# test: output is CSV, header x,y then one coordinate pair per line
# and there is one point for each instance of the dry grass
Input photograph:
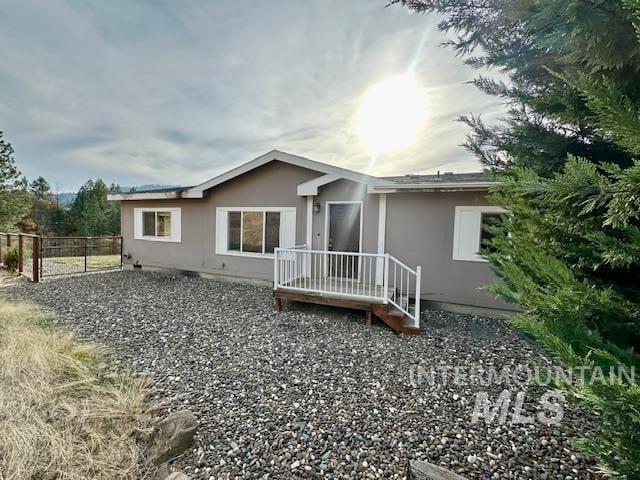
x,y
64,413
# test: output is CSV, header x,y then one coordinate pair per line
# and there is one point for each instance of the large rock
x,y
165,472
172,436
419,470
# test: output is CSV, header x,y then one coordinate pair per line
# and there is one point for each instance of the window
x,y
160,224
254,231
468,231
249,231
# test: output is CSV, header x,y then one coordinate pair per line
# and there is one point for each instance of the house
x,y
324,234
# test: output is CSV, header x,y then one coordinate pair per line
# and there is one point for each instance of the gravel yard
x,y
310,392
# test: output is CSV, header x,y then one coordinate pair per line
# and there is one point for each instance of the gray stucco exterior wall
x,y
419,231
272,185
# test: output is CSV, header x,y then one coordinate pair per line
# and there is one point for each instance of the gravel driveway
x,y
310,392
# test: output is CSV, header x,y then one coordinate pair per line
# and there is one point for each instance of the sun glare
x,y
391,113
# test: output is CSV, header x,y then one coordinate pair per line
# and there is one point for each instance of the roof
x,y
446,181
339,172
439,178
160,190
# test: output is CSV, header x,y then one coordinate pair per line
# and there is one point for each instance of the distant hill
x,y
67,198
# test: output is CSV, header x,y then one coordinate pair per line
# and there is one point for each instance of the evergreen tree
x,y
567,163
40,187
14,198
92,214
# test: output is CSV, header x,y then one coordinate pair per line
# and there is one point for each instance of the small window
x,y
469,234
157,224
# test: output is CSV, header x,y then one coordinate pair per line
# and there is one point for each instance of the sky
x,y
166,92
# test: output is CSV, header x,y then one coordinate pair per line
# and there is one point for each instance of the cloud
x,y
176,92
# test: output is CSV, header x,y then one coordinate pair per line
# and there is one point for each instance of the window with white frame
x,y
157,224
469,233
254,231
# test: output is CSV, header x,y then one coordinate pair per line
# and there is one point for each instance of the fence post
x,y
121,252
36,258
20,253
85,254
41,241
8,239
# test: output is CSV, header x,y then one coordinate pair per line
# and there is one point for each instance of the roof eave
x,y
143,196
431,187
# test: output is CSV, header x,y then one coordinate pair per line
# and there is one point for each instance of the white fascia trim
x,y
142,196
311,187
198,190
430,187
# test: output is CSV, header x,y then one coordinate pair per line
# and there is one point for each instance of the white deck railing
x,y
403,280
373,277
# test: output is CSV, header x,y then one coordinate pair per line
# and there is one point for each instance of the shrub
x,y
10,259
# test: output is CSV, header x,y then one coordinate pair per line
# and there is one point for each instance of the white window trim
x,y
176,224
476,211
287,219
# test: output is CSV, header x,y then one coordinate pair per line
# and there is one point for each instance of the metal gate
x,y
68,255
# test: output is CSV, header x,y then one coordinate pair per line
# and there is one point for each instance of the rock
x,y
172,436
178,476
164,472
419,470
219,350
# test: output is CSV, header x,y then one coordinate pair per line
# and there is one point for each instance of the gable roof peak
x,y
279,155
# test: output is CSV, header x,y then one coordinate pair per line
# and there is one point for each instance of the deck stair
x,y
378,284
395,318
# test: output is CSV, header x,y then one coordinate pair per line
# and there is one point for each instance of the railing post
x,y
275,268
416,321
20,253
385,278
35,254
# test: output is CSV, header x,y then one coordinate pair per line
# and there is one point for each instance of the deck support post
x,y
277,304
367,318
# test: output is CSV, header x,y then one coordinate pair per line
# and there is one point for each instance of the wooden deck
x,y
340,292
